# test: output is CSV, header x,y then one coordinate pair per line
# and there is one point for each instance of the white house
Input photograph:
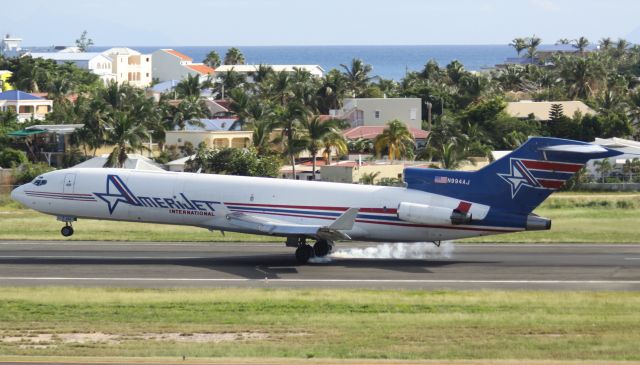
x,y
629,148
379,111
25,104
10,45
130,66
169,64
97,63
247,70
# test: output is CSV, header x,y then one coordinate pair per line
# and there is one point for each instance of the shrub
x,y
29,171
12,158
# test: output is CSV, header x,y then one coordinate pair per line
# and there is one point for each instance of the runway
x,y
455,266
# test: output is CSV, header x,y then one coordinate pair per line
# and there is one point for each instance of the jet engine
x,y
429,214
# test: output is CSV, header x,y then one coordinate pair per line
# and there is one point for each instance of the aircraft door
x,y
69,183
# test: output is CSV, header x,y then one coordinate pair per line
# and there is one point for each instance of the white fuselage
x,y
202,199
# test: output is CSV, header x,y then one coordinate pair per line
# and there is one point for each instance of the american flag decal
x,y
440,180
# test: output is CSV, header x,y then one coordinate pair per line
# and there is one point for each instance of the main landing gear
x,y
67,230
305,252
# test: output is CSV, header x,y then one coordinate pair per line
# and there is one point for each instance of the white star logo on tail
x,y
518,177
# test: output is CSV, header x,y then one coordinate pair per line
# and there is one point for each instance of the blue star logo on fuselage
x,y
117,192
518,177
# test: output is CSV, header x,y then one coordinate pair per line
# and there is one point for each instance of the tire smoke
x,y
399,251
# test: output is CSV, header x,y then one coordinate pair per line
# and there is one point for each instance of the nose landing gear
x,y
67,230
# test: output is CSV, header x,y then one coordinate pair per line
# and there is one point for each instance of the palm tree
x,y
622,44
127,135
316,133
396,138
519,44
332,91
334,142
581,44
212,59
606,43
262,129
234,57
288,117
563,41
190,110
603,167
532,46
357,74
368,178
189,87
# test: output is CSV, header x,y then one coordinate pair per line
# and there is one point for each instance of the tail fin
x,y
518,182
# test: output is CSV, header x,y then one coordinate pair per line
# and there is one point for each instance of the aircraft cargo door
x,y
69,183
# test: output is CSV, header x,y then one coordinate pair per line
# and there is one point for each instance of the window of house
x,y
413,114
309,177
147,61
376,114
179,140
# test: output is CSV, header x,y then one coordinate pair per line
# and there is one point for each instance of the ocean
x,y
389,62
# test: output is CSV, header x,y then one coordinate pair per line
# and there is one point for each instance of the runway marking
x,y
632,258
397,281
106,257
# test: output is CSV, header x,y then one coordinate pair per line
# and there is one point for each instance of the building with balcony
x,y
26,105
130,66
169,64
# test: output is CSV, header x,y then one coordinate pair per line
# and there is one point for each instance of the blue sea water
x,y
390,62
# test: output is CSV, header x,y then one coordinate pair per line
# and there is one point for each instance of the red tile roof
x,y
179,55
371,132
203,69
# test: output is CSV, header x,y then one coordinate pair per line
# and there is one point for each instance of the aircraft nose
x,y
17,194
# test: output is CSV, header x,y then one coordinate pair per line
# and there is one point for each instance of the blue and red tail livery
x,y
516,183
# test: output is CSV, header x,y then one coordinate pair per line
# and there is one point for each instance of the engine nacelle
x,y
429,214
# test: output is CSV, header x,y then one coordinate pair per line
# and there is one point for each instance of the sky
x,y
326,22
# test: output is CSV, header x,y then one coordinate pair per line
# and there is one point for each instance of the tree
x,y
334,142
127,136
519,44
368,178
316,132
288,118
234,57
603,167
234,161
357,76
532,46
581,44
189,87
605,43
83,43
563,41
396,139
212,59
556,112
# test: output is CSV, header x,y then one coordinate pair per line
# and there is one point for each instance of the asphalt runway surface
x,y
453,266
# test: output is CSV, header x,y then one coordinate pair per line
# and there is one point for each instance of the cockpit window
x,y
39,181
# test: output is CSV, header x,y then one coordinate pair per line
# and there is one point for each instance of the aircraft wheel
x,y
322,248
67,231
304,253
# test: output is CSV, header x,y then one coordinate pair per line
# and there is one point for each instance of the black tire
x,y
322,248
67,231
304,253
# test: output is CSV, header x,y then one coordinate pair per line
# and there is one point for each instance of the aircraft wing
x,y
332,232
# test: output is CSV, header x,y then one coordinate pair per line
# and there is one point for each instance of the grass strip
x,y
321,323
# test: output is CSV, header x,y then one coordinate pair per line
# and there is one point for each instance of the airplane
x,y
434,205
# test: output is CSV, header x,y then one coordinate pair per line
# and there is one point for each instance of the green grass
x,y
577,217
330,323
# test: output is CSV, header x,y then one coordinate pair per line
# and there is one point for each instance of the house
x,y
47,142
379,111
179,164
97,63
26,105
169,64
248,70
130,66
371,132
4,80
542,109
215,133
